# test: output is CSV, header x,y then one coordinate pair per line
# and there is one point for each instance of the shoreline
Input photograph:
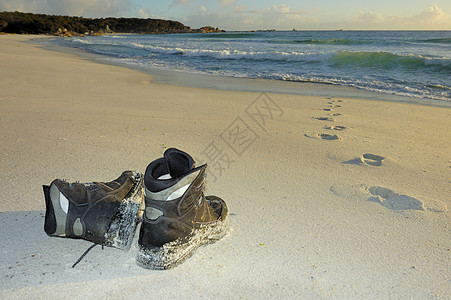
x,y
329,197
224,83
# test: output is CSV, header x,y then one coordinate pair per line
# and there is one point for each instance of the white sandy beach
x,y
330,198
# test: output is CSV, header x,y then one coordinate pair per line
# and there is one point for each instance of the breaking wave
x,y
226,54
437,41
329,42
386,61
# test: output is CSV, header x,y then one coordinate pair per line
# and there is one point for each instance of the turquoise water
x,y
405,63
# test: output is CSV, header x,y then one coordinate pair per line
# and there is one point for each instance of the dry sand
x,y
329,198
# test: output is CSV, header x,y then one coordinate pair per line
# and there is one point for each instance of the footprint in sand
x,y
334,101
338,127
324,136
325,119
372,159
367,159
392,200
388,198
329,137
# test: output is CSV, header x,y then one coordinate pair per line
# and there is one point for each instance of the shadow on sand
x,y
29,257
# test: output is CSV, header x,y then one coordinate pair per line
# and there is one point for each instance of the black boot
x,y
178,218
104,213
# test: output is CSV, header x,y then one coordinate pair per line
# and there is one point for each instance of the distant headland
x,y
29,23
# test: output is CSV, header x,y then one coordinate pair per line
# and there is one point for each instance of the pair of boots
x,y
177,217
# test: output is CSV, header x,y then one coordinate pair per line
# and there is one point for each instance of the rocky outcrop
x,y
22,23
27,23
208,29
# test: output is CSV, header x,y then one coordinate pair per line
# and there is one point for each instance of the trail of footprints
x,y
331,116
382,195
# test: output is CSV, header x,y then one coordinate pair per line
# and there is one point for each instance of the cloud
x,y
238,18
86,8
431,18
280,9
277,16
433,14
143,13
89,7
371,18
284,16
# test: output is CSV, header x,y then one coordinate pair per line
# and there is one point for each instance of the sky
x,y
260,14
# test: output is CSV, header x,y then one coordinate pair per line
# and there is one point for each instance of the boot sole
x,y
173,254
122,227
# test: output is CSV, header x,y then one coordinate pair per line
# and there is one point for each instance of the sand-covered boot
x,y
178,218
104,213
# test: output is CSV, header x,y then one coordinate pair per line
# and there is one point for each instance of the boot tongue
x,y
178,162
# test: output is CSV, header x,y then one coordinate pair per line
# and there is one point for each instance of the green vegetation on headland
x,y
28,23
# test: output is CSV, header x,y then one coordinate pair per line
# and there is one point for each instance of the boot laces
x,y
84,254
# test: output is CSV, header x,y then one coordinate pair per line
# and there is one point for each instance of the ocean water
x,y
404,63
